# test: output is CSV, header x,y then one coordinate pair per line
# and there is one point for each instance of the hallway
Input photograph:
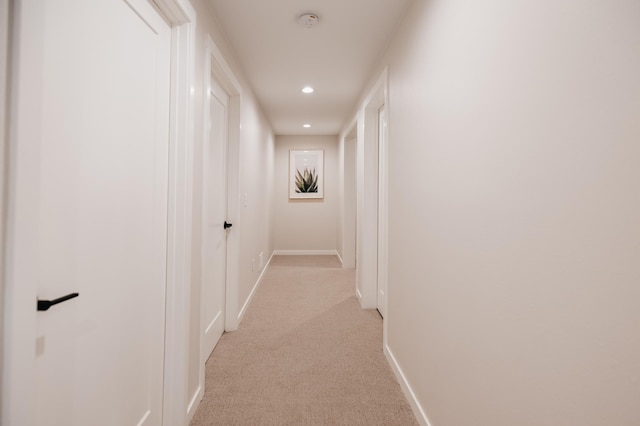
x,y
305,354
475,162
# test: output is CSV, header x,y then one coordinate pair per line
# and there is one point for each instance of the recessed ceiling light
x,y
306,126
307,89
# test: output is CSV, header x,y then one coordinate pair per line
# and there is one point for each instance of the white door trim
x,y
182,17
367,197
383,208
216,67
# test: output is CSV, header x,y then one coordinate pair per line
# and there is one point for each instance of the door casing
x,y
216,67
383,209
368,181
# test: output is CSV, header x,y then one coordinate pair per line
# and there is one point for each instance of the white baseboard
x,y
194,403
418,411
305,252
358,294
340,258
253,290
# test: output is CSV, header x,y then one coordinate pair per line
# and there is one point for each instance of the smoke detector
x,y
308,20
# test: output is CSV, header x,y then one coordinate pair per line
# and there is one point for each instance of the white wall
x,y
256,188
341,215
514,255
308,224
4,86
253,221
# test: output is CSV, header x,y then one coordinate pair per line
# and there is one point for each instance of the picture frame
x,y
306,173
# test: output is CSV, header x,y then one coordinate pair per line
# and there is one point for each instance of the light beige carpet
x,y
305,354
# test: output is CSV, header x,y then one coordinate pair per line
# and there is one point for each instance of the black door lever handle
x,y
227,225
44,305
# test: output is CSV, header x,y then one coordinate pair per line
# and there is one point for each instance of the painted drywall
x,y
253,220
4,88
256,193
513,211
367,164
308,224
340,217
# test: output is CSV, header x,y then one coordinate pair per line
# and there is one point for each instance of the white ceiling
x,y
279,56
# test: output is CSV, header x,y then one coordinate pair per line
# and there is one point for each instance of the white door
x,y
89,209
214,238
383,149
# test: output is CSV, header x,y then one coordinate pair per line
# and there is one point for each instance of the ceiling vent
x,y
308,20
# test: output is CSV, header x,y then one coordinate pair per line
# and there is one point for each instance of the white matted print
x,y
306,173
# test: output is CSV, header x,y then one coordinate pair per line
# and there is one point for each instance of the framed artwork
x,y
306,173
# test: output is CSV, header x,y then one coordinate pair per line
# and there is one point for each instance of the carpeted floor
x,y
305,354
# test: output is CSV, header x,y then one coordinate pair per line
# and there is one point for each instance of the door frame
x,y
383,209
20,315
368,181
217,68
182,18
